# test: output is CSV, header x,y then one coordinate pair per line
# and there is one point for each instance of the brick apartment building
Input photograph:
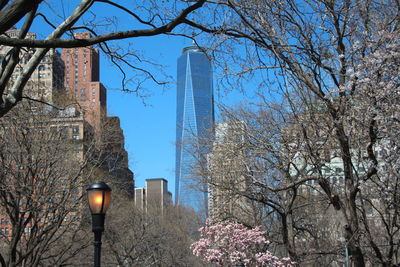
x,y
82,80
46,82
70,128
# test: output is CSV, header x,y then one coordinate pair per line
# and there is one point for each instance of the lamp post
x,y
99,197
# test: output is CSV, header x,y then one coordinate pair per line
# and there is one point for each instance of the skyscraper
x,y
194,121
82,74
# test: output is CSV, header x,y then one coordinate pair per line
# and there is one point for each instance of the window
x,y
2,220
64,132
42,68
84,68
75,129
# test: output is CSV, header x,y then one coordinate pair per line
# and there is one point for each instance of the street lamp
x,y
99,197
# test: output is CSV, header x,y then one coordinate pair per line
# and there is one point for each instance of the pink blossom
x,y
227,243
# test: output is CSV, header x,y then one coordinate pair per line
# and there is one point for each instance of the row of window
x,y
338,170
332,180
5,231
64,131
26,59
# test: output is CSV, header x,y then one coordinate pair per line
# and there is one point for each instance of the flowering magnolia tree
x,y
229,243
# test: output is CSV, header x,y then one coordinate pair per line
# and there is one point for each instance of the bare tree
x,y
153,19
42,180
135,237
310,54
48,157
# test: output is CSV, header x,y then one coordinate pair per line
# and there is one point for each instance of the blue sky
x,y
149,129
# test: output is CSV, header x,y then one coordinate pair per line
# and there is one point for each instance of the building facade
x,y
82,80
46,82
115,158
82,83
65,131
228,182
194,123
154,196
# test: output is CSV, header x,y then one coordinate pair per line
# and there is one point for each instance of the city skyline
x,y
150,154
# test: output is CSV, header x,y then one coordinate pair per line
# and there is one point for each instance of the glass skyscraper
x,y
194,122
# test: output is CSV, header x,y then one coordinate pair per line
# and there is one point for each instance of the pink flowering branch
x,y
228,243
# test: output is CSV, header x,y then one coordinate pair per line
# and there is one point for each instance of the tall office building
x,y
154,197
194,121
82,75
